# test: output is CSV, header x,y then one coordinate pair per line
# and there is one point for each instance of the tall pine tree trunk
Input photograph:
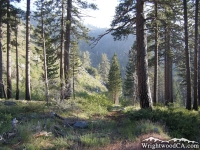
x,y
1,58
142,59
17,62
45,55
195,104
116,99
170,60
199,70
187,55
171,100
61,52
168,68
155,98
27,84
67,51
9,81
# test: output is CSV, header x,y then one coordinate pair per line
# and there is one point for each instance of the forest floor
x,y
52,128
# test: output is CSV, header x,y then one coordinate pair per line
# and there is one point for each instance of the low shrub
x,y
179,122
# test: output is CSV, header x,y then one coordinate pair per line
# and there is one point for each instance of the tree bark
x,y
195,104
187,55
27,84
1,58
67,51
142,59
166,71
168,68
61,53
155,98
116,99
170,57
199,71
17,62
9,81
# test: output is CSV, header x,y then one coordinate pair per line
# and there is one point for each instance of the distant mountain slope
x,y
109,46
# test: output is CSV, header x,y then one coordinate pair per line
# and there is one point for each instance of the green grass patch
x,y
94,140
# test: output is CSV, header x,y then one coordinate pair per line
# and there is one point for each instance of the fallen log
x,y
66,121
2,140
58,133
8,135
57,116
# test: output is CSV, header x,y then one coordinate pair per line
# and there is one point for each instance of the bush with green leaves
x,y
92,71
93,103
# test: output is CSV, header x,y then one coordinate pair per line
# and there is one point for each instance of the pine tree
x,y
41,14
74,59
75,64
114,80
73,27
155,98
195,103
6,9
2,14
9,81
164,35
52,64
177,94
104,67
129,15
14,42
50,39
142,60
129,81
27,74
187,55
86,61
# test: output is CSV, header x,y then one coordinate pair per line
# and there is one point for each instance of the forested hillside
x,y
133,85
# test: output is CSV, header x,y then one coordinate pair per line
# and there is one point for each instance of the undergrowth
x,y
104,127
179,122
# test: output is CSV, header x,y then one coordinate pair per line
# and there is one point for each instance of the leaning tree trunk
x,y
9,81
155,97
195,104
67,51
1,58
142,59
27,84
187,55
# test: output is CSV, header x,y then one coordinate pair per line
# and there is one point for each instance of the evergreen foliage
x,y
52,64
114,79
86,61
75,62
104,67
92,71
52,57
129,81
123,23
